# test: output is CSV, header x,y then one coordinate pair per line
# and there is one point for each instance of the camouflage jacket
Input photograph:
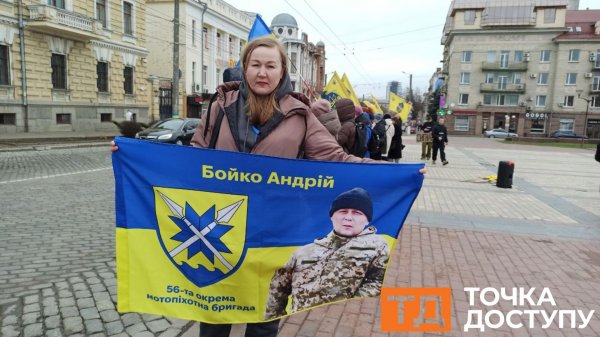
x,y
330,269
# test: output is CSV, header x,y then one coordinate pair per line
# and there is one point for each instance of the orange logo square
x,y
415,309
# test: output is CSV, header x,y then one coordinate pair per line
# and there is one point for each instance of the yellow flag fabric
x,y
379,109
371,106
349,90
400,106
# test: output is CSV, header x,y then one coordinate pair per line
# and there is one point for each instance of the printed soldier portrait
x,y
349,262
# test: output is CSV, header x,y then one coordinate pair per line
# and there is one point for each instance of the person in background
x,y
426,140
329,119
345,111
389,134
396,146
439,133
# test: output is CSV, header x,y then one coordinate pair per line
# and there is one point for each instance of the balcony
x,y
55,21
502,87
497,66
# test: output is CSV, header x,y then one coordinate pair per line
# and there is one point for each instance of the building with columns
x,y
212,34
78,66
306,60
531,67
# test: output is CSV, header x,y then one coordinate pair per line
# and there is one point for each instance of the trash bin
x,y
505,174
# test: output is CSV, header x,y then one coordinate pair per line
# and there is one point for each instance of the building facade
x,y
71,65
529,67
306,61
212,34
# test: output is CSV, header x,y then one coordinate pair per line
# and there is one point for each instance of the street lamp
x,y
587,107
410,92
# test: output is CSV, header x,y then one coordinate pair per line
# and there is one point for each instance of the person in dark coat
x,y
439,133
396,146
345,111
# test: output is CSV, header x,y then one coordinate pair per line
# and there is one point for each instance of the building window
x,y
465,78
8,119
466,56
542,79
219,45
469,17
568,102
571,79
549,15
574,55
461,123
128,80
504,56
489,78
193,76
491,56
518,56
205,34
63,118
127,18
102,73
204,73
105,117
294,68
463,99
596,83
57,3
595,103
59,71
538,125
545,56
540,100
516,78
101,12
194,33
566,124
503,100
4,66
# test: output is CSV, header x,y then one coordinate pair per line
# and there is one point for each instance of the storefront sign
x,y
536,115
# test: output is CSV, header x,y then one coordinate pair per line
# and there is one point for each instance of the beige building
x,y
306,60
212,34
79,65
529,66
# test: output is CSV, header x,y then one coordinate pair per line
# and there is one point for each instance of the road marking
x,y
55,175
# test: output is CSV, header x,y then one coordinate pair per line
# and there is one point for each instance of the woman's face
x,y
264,70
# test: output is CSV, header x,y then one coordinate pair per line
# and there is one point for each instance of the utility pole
x,y
410,92
175,83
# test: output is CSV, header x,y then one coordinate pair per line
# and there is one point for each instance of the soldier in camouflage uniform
x,y
349,262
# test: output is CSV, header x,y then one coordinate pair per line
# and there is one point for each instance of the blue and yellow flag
x,y
334,89
259,28
207,235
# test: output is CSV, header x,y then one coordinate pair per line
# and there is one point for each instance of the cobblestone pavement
x,y
57,269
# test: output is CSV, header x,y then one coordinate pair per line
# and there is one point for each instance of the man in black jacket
x,y
439,134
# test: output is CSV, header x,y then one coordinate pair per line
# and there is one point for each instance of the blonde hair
x,y
261,107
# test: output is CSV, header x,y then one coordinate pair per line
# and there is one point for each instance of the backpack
x,y
362,136
379,143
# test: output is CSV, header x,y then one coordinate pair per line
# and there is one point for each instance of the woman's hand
x,y
113,146
423,171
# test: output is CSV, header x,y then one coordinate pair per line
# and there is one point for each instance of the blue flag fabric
x,y
203,234
259,28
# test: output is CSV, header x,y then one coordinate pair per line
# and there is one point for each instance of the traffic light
x,y
434,105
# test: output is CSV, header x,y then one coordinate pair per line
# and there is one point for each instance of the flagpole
x,y
303,80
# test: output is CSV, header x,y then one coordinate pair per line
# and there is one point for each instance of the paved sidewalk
x,y
462,232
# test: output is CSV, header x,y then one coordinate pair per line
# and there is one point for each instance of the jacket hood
x,y
345,109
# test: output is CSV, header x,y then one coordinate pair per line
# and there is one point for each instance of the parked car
x,y
499,133
172,130
566,134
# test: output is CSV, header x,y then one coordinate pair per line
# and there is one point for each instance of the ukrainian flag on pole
x,y
259,28
334,89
